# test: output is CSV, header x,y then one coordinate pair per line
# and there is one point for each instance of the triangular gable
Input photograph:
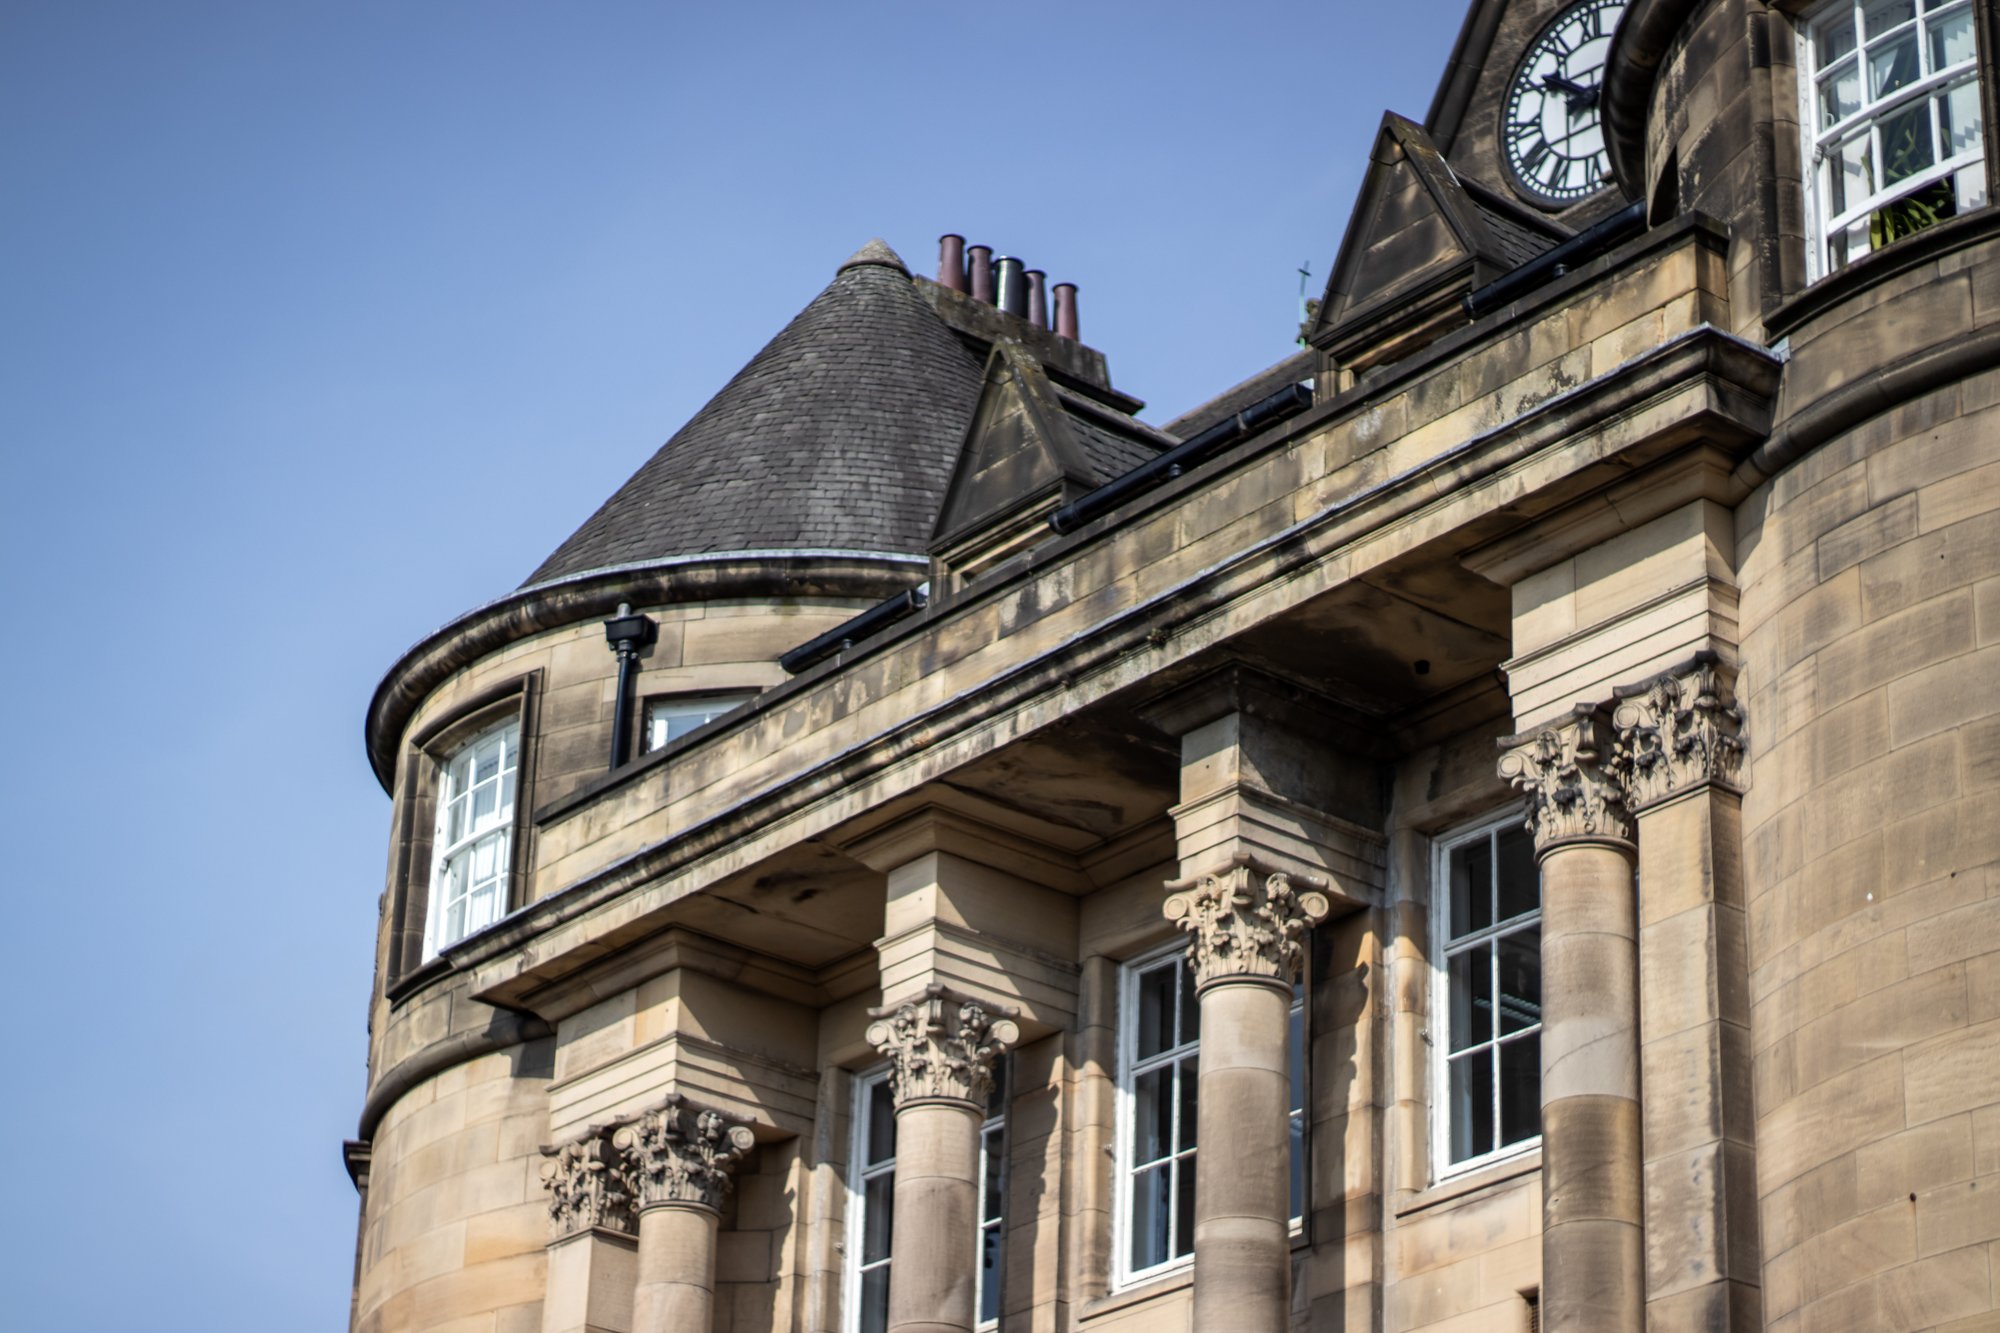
x,y
1418,240
1020,457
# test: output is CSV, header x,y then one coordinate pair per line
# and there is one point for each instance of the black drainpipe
x,y
627,634
1286,401
1552,264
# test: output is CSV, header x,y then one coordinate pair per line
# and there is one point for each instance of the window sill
x,y
416,979
1145,1289
1479,1179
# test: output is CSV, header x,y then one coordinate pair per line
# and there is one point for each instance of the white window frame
x,y
700,708
993,1141
860,1173
1821,144
496,831
1299,1061
1128,1074
1440,1023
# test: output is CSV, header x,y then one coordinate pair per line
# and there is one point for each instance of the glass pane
x,y
996,1099
1471,983
1298,1166
1520,882
1520,1089
1892,65
1833,39
1970,183
1151,1211
1471,887
1520,980
1951,40
1190,1086
484,801
1883,15
989,1274
454,822
1839,94
1906,144
1156,1009
486,762
991,1192
875,1300
1190,1007
1471,1105
880,1135
1296,1057
1152,1115
1184,1207
878,1211
507,795
1959,117
1851,173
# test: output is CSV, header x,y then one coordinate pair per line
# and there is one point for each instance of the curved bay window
x,y
472,848
1893,125
1488,907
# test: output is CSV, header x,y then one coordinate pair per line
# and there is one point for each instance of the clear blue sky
x,y
321,323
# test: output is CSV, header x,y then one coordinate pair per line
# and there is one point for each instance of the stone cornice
x,y
1248,923
681,1154
941,1047
1564,770
587,1183
1680,730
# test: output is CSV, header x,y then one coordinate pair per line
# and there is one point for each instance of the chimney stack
x,y
951,261
1066,311
979,259
1038,299
1012,285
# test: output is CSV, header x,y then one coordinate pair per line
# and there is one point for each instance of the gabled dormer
x,y
1419,240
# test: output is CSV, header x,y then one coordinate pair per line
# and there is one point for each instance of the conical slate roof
x,y
840,434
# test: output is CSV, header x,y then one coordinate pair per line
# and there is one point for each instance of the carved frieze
x,y
587,1186
1246,923
681,1153
1679,730
1564,770
942,1047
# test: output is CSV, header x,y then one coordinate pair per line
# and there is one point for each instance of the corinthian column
x,y
941,1049
1249,927
678,1159
1593,1267
591,1246
1679,752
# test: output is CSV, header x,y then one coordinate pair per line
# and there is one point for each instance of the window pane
x,y
1951,40
1190,1006
1471,1105
1190,1085
1152,1115
1296,1056
454,822
989,1274
486,762
1906,144
1520,881
1839,94
881,1133
1832,40
1959,116
1184,1207
990,1192
878,1210
875,1300
1851,173
1151,1215
1520,980
1471,887
1156,1009
1891,66
1471,998
1520,1089
1883,15
1298,1166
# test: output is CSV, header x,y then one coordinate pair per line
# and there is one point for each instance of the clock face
x,y
1553,133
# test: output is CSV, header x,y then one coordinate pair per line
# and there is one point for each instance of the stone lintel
x,y
774,1097
1038,988
1244,822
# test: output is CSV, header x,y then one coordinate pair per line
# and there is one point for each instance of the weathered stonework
x,y
1679,730
1247,924
941,1047
588,1184
1573,794
681,1154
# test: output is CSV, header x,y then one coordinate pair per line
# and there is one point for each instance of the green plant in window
x,y
1912,213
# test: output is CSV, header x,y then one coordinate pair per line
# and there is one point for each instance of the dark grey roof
x,y
1515,242
1294,369
840,434
1113,442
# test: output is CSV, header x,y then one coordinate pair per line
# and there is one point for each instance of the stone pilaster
x,y
1593,1267
1247,925
678,1159
941,1047
593,1248
1679,751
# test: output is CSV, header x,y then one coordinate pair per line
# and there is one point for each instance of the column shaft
x,y
1593,1263
931,1278
676,1288
1242,1232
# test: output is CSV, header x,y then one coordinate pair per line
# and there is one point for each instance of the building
x,y
935,852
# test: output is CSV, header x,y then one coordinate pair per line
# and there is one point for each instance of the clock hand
x,y
1568,87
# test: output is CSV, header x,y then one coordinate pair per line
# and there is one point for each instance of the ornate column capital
x,y
942,1046
1248,923
587,1185
1572,795
681,1153
1679,730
